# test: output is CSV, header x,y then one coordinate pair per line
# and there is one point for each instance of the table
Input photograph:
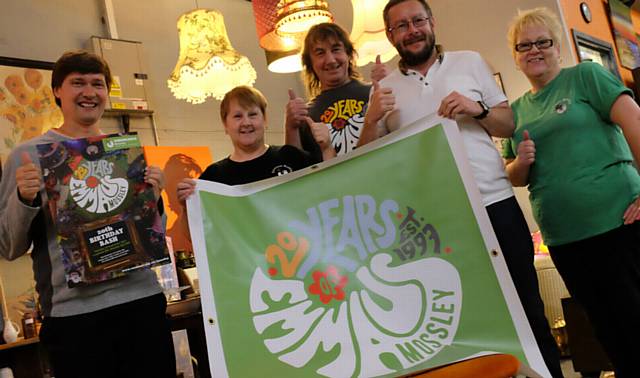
x,y
26,358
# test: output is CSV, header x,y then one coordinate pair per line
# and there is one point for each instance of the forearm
x,y
292,134
632,135
626,114
499,121
15,224
518,173
369,132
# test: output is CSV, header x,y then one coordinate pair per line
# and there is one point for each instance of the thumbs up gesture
x,y
526,150
296,111
321,135
320,132
379,70
382,101
28,179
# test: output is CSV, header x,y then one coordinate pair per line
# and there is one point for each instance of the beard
x,y
414,59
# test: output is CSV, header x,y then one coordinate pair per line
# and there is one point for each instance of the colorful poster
x,y
106,216
177,163
378,263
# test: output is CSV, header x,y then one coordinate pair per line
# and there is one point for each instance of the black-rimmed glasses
x,y
541,44
402,27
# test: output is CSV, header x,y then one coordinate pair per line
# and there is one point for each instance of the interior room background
x,y
44,29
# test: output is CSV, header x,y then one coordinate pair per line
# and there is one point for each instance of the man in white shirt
x,y
459,85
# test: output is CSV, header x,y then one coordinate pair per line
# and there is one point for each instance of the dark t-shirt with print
x,y
343,110
276,161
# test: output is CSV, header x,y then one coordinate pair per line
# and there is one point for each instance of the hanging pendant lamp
x,y
281,52
208,66
368,33
297,16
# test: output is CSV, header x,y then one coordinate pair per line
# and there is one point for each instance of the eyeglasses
x,y
541,44
403,26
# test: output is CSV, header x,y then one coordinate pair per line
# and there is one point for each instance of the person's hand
x,y
296,111
185,188
457,104
526,150
320,133
28,179
633,212
379,70
382,101
153,176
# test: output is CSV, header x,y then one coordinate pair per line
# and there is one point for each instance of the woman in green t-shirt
x,y
577,132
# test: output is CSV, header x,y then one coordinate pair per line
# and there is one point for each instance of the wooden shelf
x,y
20,343
129,112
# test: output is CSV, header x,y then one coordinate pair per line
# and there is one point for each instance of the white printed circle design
x,y
93,189
425,298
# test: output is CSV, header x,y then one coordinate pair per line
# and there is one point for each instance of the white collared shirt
x,y
417,96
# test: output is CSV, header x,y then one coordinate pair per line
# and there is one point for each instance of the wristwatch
x,y
485,110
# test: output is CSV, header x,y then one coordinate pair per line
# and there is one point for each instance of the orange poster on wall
x,y
177,162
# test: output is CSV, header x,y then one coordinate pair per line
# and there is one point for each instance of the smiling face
x,y
540,65
83,98
330,63
415,45
245,126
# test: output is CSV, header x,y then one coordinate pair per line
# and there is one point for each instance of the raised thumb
x,y
26,158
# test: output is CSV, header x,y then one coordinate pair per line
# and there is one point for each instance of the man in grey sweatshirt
x,y
116,328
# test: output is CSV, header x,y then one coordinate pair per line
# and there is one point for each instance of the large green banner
x,y
379,263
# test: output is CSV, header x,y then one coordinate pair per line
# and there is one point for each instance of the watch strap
x,y
485,110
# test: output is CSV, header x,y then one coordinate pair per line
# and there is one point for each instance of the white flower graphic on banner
x,y
397,308
93,189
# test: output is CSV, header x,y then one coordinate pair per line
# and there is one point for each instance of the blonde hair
x,y
540,16
246,97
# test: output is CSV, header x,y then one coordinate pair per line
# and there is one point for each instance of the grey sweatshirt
x,y
22,225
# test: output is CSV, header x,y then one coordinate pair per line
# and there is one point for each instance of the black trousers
x,y
515,241
128,340
602,273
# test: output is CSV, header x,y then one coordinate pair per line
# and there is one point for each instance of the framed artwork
x,y
595,50
624,34
27,104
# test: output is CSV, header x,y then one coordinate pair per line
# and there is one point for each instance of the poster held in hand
x,y
106,216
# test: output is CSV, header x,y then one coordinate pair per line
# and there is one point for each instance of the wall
x,y
482,25
599,27
178,122
43,29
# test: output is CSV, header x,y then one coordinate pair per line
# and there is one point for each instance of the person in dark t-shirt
x,y
338,96
243,113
